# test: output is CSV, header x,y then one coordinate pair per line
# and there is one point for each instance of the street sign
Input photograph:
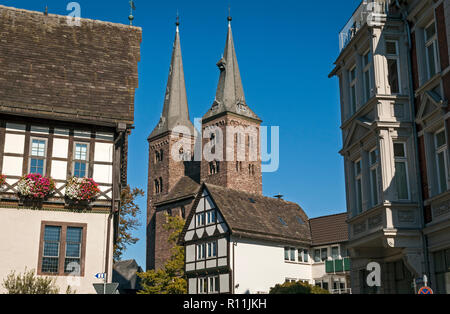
x,y
106,288
425,290
100,276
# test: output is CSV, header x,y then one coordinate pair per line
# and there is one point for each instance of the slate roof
x,y
260,217
329,229
82,74
125,274
175,111
184,188
230,91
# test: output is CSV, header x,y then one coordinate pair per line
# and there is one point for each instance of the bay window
x,y
401,171
392,56
374,166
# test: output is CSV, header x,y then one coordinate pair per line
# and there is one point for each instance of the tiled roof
x,y
184,188
260,217
50,69
329,229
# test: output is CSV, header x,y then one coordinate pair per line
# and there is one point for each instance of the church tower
x,y
231,131
165,167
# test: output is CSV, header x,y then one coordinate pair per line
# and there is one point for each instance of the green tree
x,y
128,221
171,278
28,283
297,288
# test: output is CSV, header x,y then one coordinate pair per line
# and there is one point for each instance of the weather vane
x,y
132,8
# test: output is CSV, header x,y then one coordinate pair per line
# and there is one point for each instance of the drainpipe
x,y
416,140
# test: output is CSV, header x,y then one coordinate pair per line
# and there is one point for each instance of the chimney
x,y
279,196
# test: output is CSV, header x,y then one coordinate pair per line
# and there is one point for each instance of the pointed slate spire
x,y
175,110
230,91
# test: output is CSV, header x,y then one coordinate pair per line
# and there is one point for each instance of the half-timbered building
x,y
66,110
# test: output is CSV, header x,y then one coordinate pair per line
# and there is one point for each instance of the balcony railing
x,y
369,12
341,291
337,266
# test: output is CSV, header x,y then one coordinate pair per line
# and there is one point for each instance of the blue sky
x,y
285,49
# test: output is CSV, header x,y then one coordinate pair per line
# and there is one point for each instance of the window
x,y
367,63
442,270
352,74
213,284
302,256
201,251
289,254
50,260
212,249
211,217
441,160
61,250
335,252
214,167
160,185
201,219
80,160
401,171
208,285
317,256
157,189
73,249
38,156
393,66
323,254
374,185
203,285
358,186
431,50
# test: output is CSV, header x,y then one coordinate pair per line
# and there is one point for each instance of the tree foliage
x,y
128,221
28,283
297,288
171,278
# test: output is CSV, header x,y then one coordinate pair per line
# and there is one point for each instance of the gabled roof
x,y
52,70
255,216
175,111
184,188
329,229
230,91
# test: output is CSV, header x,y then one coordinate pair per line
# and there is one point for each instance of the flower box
x,y
81,190
35,187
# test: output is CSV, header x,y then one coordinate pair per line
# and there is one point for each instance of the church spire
x,y
175,111
230,91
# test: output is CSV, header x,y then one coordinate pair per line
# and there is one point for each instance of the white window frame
x,y
405,161
367,70
374,166
439,150
428,42
396,57
44,158
201,252
79,160
358,177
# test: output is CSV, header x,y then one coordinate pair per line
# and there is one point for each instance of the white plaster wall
x,y
60,148
59,170
102,174
12,166
260,266
103,152
19,244
14,143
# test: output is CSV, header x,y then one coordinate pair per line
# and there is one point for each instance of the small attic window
x,y
252,200
282,221
300,221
